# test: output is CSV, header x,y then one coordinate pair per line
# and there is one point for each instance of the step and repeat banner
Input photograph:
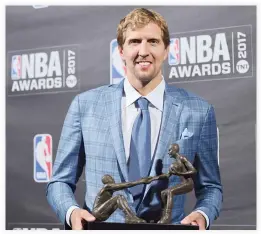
x,y
55,52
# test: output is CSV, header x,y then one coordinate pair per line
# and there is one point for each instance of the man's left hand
x,y
195,218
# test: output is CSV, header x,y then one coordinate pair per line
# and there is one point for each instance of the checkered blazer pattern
x,y
92,140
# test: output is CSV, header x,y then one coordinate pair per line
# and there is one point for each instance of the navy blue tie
x,y
140,148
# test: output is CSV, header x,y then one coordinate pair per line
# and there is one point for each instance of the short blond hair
x,y
139,18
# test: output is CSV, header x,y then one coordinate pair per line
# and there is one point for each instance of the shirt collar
x,y
155,97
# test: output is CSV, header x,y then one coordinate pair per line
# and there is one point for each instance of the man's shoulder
x,y
96,91
184,95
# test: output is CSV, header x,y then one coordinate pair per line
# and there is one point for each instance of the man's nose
x,y
144,50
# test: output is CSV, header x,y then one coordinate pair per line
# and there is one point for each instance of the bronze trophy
x,y
105,203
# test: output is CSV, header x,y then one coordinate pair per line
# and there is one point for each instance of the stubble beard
x,y
146,77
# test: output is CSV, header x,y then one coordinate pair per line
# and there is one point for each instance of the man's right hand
x,y
79,217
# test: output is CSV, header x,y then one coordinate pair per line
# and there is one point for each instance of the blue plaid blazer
x,y
93,126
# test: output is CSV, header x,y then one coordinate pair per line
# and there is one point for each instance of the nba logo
x,y
174,53
16,67
117,67
42,157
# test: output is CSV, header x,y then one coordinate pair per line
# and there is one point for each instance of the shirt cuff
x,y
205,216
68,214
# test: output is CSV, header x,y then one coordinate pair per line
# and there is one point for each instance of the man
x,y
126,129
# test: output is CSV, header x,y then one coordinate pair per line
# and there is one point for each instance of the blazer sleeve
x,y
207,182
68,164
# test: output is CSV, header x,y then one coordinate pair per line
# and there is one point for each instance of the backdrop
x,y
54,53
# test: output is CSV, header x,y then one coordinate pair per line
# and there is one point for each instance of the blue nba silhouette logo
x,y
117,67
174,52
42,157
16,67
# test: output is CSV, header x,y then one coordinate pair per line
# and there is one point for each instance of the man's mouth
x,y
144,64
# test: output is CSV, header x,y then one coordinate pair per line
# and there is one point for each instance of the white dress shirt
x,y
129,114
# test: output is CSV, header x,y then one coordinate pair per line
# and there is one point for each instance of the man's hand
x,y
195,218
79,217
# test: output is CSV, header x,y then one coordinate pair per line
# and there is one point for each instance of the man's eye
x,y
154,42
134,41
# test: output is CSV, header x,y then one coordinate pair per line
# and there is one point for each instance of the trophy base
x,y
137,226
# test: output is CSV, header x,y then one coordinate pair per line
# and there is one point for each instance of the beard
x,y
146,76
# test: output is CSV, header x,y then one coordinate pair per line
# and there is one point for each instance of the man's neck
x,y
144,88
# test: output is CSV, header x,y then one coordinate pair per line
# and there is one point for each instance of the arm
x,y
188,165
153,178
190,170
145,180
184,173
208,188
68,164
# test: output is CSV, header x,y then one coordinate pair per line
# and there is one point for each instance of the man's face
x,y
144,52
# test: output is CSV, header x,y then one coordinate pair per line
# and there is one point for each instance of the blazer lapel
x,y
113,109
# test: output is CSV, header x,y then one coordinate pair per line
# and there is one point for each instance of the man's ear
x,y
166,52
121,52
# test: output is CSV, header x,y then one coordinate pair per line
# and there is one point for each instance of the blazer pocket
x,y
183,141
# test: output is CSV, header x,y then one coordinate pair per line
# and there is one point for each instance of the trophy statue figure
x,y
183,168
105,203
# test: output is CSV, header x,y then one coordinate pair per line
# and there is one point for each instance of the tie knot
x,y
143,103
